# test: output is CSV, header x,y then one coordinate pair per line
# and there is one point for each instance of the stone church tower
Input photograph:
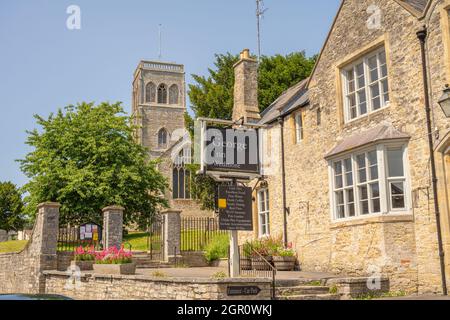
x,y
159,102
159,105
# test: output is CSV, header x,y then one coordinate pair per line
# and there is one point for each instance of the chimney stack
x,y
246,89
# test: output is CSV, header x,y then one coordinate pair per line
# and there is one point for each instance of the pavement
x,y
208,272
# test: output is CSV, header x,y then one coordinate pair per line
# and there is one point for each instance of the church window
x,y
162,93
181,182
173,94
150,92
162,138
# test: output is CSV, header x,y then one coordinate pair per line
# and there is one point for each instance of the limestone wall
x,y
22,272
107,287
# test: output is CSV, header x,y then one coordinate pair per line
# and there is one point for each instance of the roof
x,y
289,100
379,133
419,5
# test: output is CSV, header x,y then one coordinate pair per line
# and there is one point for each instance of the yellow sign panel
x,y
222,203
95,236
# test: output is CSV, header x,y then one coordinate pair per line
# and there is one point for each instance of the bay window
x,y
371,181
366,87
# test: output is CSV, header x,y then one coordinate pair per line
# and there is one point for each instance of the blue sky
x,y
45,66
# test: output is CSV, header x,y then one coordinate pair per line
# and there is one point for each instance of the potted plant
x,y
114,261
260,257
84,258
285,258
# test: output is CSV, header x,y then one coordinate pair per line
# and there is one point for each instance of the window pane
x,y
373,68
376,206
363,194
375,94
373,165
362,102
348,172
361,160
395,162
375,190
340,204
175,183
398,198
181,182
351,203
383,66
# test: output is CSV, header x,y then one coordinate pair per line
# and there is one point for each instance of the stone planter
x,y
284,263
83,265
221,263
126,269
257,263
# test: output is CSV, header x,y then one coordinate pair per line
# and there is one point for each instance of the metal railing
x,y
69,240
198,232
253,264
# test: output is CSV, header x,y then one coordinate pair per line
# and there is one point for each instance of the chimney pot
x,y
245,54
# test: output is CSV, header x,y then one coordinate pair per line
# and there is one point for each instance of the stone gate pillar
x,y
171,234
112,226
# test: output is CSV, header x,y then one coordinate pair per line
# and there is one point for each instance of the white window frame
x,y
299,127
384,103
384,182
266,213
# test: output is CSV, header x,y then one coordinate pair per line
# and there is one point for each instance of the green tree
x,y
212,97
11,207
85,158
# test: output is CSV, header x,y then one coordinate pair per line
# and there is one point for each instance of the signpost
x,y
243,291
231,154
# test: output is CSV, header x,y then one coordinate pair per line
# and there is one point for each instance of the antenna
x,y
160,41
259,14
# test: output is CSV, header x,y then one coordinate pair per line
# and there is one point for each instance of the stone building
x,y
359,197
159,106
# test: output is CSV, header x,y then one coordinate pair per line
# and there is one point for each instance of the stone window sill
x,y
385,218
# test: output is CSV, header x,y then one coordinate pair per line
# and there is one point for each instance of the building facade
x,y
357,183
159,107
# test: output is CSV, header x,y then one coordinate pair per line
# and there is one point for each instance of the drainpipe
x,y
283,183
422,35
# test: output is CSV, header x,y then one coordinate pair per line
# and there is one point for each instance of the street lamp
x,y
444,101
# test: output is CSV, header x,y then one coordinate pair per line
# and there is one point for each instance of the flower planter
x,y
125,269
221,263
83,265
259,264
284,263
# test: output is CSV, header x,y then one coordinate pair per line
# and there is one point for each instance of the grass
x,y
371,296
190,240
12,246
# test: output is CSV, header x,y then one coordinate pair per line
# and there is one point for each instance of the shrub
x,y
217,248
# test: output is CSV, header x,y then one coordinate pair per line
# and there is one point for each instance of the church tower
x,y
159,104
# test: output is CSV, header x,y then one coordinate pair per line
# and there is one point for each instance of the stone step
x,y
299,282
155,266
302,290
310,297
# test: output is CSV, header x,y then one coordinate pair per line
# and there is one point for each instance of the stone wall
x,y
107,287
22,272
3,236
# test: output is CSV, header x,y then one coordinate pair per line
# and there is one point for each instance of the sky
x,y
45,66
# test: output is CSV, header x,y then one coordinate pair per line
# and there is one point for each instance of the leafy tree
x,y
212,97
11,207
85,158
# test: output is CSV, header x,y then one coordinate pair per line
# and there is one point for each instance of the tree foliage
x,y
11,207
85,158
212,96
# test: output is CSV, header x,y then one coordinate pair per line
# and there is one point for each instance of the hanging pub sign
x,y
235,208
232,150
90,232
